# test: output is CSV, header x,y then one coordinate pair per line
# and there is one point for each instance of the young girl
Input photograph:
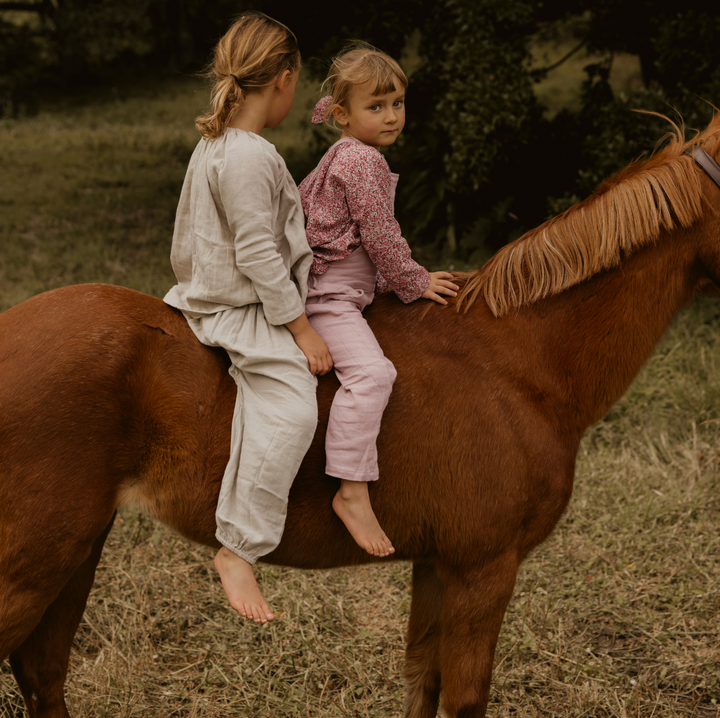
x,y
241,260
357,246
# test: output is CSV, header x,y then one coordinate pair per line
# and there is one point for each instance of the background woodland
x,y
484,156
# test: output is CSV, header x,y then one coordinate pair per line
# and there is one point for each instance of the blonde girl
x,y
241,259
357,250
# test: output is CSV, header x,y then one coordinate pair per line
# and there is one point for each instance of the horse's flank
x,y
625,213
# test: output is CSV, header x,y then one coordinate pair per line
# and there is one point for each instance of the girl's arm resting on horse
x,y
368,193
367,189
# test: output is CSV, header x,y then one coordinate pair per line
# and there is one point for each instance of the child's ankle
x,y
353,490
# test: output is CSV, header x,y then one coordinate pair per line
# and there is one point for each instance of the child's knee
x,y
305,412
392,372
384,375
309,415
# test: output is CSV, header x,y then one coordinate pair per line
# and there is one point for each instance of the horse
x,y
108,399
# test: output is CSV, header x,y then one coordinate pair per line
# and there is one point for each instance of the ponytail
x,y
248,58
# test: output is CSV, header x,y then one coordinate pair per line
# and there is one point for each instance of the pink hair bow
x,y
321,110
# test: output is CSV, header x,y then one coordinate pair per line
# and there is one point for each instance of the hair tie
x,y
320,112
237,81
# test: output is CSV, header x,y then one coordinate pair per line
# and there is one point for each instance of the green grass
x,y
88,192
614,616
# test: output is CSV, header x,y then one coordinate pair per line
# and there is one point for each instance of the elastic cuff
x,y
250,558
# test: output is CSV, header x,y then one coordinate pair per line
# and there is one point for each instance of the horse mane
x,y
625,213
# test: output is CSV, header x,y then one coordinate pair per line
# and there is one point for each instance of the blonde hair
x,y
357,64
248,58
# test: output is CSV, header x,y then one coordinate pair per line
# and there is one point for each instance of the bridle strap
x,y
707,164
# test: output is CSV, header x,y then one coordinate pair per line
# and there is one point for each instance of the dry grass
x,y
615,616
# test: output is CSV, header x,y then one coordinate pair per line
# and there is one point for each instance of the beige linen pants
x,y
274,422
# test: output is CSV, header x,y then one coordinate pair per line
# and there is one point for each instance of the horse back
x,y
109,399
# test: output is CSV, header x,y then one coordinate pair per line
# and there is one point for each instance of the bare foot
x,y
241,588
352,505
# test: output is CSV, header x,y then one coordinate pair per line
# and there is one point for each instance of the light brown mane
x,y
626,212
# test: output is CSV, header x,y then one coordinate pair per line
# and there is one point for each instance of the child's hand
x,y
311,345
316,351
439,285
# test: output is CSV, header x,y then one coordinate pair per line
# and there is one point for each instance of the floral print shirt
x,y
348,202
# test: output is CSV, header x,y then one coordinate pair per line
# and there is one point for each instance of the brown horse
x,y
106,399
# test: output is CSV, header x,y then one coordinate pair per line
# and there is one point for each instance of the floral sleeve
x,y
366,180
381,284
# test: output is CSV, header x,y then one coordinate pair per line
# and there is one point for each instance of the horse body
x,y
108,399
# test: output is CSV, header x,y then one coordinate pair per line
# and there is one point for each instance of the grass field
x,y
616,615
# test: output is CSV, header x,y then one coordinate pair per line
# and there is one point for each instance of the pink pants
x,y
334,307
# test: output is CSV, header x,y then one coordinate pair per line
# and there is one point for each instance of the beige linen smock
x,y
242,261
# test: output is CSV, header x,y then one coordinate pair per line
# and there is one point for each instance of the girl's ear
x,y
283,79
341,115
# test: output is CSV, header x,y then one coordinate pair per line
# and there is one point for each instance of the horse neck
x,y
599,334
